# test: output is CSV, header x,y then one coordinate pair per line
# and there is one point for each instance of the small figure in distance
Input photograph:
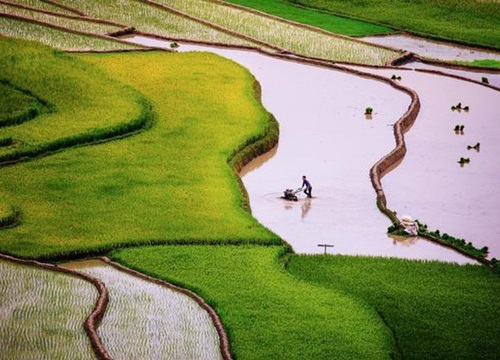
x,y
307,185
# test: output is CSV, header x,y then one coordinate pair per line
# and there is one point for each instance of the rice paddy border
x,y
93,320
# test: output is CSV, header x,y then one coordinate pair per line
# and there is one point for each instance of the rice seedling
x,y
90,106
267,312
42,313
42,5
57,38
145,320
150,19
322,20
439,18
303,41
435,310
76,24
169,184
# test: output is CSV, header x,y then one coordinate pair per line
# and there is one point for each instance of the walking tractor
x,y
291,195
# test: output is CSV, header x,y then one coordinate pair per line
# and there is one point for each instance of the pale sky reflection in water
x,y
325,135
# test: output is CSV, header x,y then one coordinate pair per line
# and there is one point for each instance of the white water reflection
x,y
433,49
324,135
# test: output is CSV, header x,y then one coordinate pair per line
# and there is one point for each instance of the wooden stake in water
x,y
325,246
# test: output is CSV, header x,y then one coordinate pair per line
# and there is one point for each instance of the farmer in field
x,y
307,185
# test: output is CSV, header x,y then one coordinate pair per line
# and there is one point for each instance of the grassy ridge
x,y
436,310
441,18
329,22
268,313
17,106
87,105
151,187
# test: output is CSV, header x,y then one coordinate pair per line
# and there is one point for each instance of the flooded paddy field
x,y
430,184
325,135
433,49
145,320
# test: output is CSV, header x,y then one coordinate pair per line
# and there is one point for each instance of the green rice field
x,y
444,19
135,155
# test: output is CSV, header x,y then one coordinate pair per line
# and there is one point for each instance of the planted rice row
x,y
145,320
73,24
300,40
57,38
42,312
150,19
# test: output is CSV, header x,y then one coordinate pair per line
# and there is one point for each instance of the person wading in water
x,y
307,185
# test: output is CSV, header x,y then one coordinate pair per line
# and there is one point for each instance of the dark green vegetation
x,y
268,313
149,188
467,21
322,20
435,310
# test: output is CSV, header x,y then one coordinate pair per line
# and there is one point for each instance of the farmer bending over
x,y
307,185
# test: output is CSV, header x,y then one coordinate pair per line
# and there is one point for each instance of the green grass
x,y
169,184
43,313
86,104
17,106
495,64
268,313
441,18
436,310
322,20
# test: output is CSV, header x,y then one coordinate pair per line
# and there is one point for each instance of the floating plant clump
x,y
174,45
459,107
476,147
459,129
485,80
369,111
394,77
463,161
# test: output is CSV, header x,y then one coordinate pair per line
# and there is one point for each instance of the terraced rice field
x,y
300,40
150,19
145,320
42,313
56,38
76,24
